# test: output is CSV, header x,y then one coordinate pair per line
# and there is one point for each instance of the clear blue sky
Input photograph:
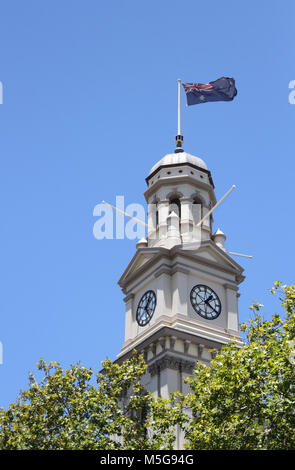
x,y
90,92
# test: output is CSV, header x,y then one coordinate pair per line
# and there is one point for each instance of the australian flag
x,y
222,89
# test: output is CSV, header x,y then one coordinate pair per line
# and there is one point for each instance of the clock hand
x,y
148,305
145,303
214,309
209,299
209,305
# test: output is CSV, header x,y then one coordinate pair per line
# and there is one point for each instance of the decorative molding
x,y
128,297
186,199
173,333
170,270
133,279
230,286
173,165
178,269
164,269
234,335
175,194
171,362
179,180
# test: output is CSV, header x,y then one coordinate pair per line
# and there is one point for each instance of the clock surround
x,y
146,307
205,302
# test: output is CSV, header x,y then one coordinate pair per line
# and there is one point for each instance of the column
x,y
163,212
186,219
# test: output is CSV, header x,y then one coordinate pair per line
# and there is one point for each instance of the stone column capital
x,y
163,202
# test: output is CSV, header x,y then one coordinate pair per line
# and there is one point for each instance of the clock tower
x,y
181,286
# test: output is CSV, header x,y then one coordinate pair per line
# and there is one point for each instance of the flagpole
x,y
179,137
178,127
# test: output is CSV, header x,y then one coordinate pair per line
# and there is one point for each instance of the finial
x,y
179,141
179,137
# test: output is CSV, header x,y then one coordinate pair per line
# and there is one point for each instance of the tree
x,y
245,399
66,411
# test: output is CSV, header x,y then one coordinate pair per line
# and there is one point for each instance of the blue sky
x,y
89,105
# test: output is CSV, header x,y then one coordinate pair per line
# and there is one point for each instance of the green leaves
x,y
246,399
66,410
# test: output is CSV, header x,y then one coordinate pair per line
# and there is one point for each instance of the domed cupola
x,y
179,183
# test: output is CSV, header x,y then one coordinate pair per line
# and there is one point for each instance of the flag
x,y
222,89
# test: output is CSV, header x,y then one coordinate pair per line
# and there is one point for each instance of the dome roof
x,y
175,158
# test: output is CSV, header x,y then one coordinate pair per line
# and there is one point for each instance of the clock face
x,y
146,308
205,302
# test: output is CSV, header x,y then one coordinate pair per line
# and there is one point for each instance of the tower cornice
x,y
173,165
226,264
177,180
156,334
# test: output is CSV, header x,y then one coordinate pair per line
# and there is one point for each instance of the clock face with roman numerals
x,y
205,302
146,308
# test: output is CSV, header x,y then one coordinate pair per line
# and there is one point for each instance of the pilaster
x,y
232,308
128,317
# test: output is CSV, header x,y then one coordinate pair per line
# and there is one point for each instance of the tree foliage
x,y
245,399
66,411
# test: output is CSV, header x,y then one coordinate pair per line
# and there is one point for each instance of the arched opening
x,y
157,218
175,206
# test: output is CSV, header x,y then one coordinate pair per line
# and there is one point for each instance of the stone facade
x,y
178,255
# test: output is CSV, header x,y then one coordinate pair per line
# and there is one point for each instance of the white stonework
x,y
176,159
176,257
219,238
184,178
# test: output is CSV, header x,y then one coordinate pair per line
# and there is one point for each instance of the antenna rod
x,y
213,208
179,137
124,213
239,254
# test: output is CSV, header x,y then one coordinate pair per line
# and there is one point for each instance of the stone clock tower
x,y
181,286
